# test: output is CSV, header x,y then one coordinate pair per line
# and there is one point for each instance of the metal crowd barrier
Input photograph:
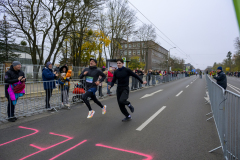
x,y
37,100
153,80
225,106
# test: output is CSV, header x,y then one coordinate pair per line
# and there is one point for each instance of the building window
x,y
134,44
143,44
143,60
125,52
138,44
130,46
134,52
129,53
138,52
125,45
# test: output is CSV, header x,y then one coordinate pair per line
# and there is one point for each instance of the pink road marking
x,y
36,131
43,149
123,150
68,150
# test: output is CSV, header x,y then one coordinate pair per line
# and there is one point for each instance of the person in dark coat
x,y
140,74
13,75
221,78
57,69
49,84
149,75
91,75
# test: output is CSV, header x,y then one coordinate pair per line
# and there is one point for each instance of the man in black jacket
x,y
122,75
13,75
221,78
92,81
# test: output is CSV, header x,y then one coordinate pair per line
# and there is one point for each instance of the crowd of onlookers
x,y
60,77
235,74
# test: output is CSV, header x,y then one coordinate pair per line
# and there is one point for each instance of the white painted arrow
x,y
151,94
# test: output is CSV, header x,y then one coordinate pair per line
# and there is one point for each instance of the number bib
x,y
89,79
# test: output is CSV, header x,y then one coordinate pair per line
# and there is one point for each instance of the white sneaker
x,y
104,109
68,106
90,114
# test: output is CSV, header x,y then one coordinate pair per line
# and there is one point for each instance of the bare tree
x,y
147,36
43,23
122,21
85,17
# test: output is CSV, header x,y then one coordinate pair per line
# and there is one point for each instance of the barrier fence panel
x,y
40,96
2,73
225,106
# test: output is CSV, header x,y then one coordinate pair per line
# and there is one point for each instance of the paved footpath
x,y
169,123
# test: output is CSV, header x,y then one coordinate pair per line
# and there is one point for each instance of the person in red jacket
x,y
109,80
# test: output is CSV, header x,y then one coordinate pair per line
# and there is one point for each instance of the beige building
x,y
149,52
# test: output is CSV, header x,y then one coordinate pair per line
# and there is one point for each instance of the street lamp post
x,y
169,57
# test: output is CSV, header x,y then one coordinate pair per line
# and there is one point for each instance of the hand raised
x,y
85,73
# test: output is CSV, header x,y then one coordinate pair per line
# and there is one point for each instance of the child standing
x,y
63,81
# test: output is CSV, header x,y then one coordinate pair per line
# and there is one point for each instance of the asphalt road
x,y
233,84
177,129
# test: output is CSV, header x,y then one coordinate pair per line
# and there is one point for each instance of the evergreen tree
x,y
7,45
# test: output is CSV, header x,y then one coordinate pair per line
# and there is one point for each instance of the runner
x,y
122,75
92,74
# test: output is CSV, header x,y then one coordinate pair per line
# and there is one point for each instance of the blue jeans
x,y
108,90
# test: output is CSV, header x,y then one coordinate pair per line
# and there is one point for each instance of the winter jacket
x,y
11,77
110,77
221,79
140,73
57,69
49,76
92,76
149,75
63,83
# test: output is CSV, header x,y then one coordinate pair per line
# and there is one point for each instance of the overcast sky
x,y
203,29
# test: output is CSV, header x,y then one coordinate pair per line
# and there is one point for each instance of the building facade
x,y
152,54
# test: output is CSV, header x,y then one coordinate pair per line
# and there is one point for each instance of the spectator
x,y
136,81
64,69
133,82
14,76
153,78
141,76
57,69
221,78
100,84
109,80
49,84
149,75
64,81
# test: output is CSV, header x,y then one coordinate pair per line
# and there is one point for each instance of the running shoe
x,y
127,119
131,108
90,114
11,120
104,109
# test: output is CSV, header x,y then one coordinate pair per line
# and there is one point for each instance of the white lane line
x,y
148,95
233,86
150,119
234,89
187,86
179,94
